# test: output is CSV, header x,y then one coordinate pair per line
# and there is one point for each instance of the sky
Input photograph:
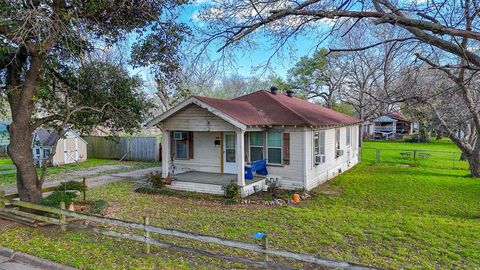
x,y
248,62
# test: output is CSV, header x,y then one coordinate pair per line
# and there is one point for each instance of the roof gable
x,y
47,137
385,119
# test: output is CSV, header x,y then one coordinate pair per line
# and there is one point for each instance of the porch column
x,y
165,152
240,157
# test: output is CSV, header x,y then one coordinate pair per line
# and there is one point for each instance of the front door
x,y
229,153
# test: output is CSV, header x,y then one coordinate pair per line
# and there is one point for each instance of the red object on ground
x,y
296,197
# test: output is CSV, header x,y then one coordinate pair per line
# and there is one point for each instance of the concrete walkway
x,y
96,181
11,260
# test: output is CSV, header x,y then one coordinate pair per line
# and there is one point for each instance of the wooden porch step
x,y
196,187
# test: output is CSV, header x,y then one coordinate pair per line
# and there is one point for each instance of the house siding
x,y
194,118
207,155
318,174
291,176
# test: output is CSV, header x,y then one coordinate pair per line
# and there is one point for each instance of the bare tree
x,y
446,26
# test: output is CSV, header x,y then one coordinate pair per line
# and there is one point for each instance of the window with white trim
x,y
338,151
348,136
46,152
181,144
322,143
274,147
256,141
319,147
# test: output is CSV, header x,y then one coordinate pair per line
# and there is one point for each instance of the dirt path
x,y
97,176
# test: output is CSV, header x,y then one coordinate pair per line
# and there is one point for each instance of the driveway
x,y
98,176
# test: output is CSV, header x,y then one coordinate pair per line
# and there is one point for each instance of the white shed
x,y
71,148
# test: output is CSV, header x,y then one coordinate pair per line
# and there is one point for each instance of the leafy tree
x,y
309,78
48,81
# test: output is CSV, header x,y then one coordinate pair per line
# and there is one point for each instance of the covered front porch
x,y
198,139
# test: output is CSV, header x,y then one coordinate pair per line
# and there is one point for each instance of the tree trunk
x,y
28,185
474,162
21,100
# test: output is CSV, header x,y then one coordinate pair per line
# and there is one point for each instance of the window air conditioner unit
x,y
319,159
339,152
178,135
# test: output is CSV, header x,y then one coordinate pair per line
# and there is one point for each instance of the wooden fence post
x,y
265,246
146,222
377,155
2,199
84,188
415,155
63,218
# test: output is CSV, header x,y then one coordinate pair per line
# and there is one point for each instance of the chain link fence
x,y
415,157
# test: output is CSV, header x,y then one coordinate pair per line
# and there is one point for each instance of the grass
x,y
386,215
440,154
8,180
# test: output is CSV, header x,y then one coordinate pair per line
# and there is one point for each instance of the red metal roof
x,y
242,111
398,116
264,108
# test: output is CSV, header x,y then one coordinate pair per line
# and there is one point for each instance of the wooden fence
x,y
134,148
58,216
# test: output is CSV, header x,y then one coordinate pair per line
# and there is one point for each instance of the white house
x,y
70,148
208,142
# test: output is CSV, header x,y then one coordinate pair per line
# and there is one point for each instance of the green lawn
x,y
9,179
423,215
5,162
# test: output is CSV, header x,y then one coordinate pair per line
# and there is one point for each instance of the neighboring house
x,y
70,148
304,144
388,125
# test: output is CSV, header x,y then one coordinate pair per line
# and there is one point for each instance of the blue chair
x,y
258,166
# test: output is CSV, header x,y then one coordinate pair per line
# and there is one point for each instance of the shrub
x,y
71,185
98,206
155,180
273,187
56,197
232,191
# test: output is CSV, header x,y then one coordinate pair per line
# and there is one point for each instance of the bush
x,y
54,199
71,185
156,180
273,187
232,192
98,206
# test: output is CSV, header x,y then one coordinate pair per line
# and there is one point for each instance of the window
x,y
274,147
322,143
338,152
181,145
37,152
230,148
319,147
349,133
46,153
256,145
